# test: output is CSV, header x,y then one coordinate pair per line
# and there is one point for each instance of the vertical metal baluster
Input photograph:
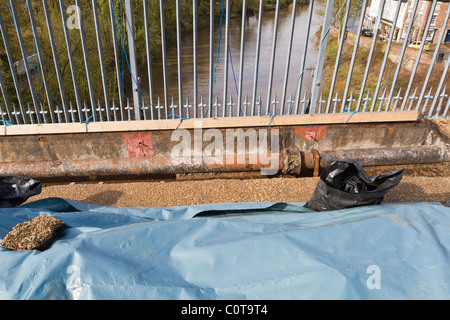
x,y
100,56
55,57
258,49
289,102
241,62
224,109
194,36
159,107
69,52
274,46
202,106
288,58
303,66
350,101
108,114
39,53
321,56
339,53
382,101
114,110
16,114
180,76
274,103
100,110
211,54
80,114
23,113
402,54
144,108
3,114
172,108
58,114
216,105
433,60
152,112
231,104
116,52
128,108
187,106
29,112
441,101
304,102
5,98
355,51
149,55
320,102
44,113
412,98
246,104
25,59
335,100
427,99
226,54
444,114
85,110
132,59
366,101
441,82
86,60
164,58
372,49
388,48
11,65
397,98
72,112
419,54
259,105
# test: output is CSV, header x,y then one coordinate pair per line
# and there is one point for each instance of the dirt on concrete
x,y
192,192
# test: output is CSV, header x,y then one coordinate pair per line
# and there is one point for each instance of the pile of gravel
x,y
37,234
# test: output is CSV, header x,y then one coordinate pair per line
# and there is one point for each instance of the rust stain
x,y
312,134
139,144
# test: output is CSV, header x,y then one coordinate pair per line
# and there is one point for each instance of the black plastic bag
x,y
15,190
345,184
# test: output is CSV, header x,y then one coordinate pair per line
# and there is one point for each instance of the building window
x,y
430,35
433,19
438,6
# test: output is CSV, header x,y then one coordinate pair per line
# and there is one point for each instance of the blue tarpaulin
x,y
232,251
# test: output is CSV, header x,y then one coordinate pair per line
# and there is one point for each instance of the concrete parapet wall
x,y
301,149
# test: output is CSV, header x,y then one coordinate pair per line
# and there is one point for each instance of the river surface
x,y
203,51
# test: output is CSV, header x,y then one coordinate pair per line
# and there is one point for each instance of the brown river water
x,y
203,51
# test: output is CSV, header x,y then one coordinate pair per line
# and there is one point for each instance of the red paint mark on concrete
x,y
312,134
139,144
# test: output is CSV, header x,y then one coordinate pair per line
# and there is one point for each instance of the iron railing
x,y
323,96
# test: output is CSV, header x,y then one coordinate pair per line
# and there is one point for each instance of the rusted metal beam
x,y
156,165
381,156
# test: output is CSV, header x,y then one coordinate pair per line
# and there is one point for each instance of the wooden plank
x,y
206,123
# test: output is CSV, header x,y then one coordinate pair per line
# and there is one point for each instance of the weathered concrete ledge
x,y
286,148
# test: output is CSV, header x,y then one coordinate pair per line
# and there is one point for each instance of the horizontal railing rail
x,y
360,55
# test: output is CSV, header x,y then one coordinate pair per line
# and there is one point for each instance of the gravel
x,y
191,192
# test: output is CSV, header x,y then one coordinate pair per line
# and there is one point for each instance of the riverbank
x,y
375,66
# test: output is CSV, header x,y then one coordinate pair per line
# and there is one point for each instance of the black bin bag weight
x,y
15,190
345,184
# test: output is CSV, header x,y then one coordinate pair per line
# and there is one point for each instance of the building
x,y
437,21
404,18
390,8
